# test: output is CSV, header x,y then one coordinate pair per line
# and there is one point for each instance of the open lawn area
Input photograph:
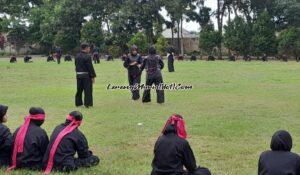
x,y
231,113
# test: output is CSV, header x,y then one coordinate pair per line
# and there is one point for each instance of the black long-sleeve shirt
x,y
279,163
171,153
35,145
72,143
6,141
83,63
133,70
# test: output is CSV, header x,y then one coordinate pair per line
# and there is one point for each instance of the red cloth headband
x,y
68,129
20,137
178,123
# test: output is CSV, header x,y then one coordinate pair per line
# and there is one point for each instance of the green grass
x,y
231,113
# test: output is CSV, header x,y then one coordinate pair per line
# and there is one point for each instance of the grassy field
x,y
231,113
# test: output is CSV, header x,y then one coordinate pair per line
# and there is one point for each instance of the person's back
x,y
84,65
6,138
279,160
35,145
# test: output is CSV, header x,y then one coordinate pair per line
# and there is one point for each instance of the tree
x,y
161,45
209,39
289,42
264,39
17,36
92,33
237,36
140,40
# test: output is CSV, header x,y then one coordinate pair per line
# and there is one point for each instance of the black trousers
x,y
134,80
96,59
160,92
84,85
200,171
78,163
58,60
171,65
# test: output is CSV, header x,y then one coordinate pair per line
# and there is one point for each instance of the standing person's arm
x,y
161,63
143,64
189,160
90,67
126,62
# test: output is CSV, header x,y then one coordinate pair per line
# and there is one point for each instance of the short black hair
x,y
152,50
3,111
36,110
77,115
84,46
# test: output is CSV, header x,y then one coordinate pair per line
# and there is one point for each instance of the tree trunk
x,y
178,38
107,24
181,43
172,42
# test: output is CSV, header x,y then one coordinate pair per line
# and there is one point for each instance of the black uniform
x,y
172,153
193,58
264,58
171,62
85,73
211,58
153,65
35,145
27,59
68,58
6,141
13,59
134,73
72,143
50,58
96,56
279,161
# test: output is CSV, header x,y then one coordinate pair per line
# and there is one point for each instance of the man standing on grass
x,y
85,75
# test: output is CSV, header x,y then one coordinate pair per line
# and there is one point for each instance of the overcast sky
x,y
193,26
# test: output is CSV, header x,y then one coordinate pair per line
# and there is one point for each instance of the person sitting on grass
x,y
172,151
6,138
279,160
27,59
13,59
67,140
30,142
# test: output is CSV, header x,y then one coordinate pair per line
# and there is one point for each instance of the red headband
x,y
20,137
178,123
68,129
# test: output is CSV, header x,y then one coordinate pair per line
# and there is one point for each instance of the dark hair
x,y
77,115
281,141
152,50
3,111
84,46
35,111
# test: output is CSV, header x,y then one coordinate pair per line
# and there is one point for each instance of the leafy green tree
x,y
237,36
140,40
92,33
264,39
161,45
289,42
209,39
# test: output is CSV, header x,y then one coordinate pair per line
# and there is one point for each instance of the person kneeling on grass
x,y
6,138
30,142
65,141
279,160
172,151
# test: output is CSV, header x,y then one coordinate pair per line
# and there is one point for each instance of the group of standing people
x,y
153,64
29,147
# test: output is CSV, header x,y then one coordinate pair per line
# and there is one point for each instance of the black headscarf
x,y
3,111
281,141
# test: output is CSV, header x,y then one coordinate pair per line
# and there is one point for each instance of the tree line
x,y
254,27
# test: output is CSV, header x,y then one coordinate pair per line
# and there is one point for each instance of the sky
x,y
194,26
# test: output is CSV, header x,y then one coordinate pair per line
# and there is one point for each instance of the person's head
x,y
152,50
85,48
77,115
3,113
36,111
134,50
175,124
281,141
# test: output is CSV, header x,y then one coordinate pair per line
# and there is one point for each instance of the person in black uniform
x,y
50,58
30,142
85,74
193,58
58,54
70,140
153,64
172,151
133,63
171,61
96,55
6,138
264,58
13,59
68,57
27,59
279,160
